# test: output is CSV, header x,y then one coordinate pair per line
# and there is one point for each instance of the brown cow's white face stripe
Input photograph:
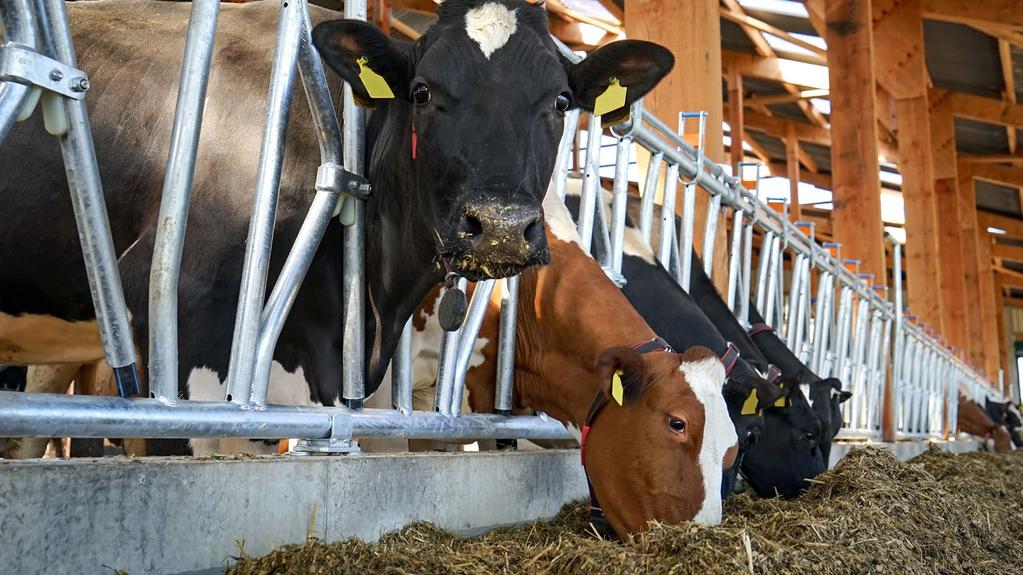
x,y
706,377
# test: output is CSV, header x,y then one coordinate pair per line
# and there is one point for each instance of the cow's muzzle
x,y
495,240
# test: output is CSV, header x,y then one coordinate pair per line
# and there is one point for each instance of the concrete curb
x,y
169,515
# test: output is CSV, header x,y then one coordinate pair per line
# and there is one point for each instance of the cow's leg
x,y
40,379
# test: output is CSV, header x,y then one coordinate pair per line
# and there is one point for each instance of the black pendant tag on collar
x,y
453,305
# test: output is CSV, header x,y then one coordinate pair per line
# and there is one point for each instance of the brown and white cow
x,y
660,452
974,420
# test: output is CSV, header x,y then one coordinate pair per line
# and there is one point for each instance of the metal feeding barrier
x,y
845,329
838,321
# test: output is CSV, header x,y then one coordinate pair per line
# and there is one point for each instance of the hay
x,y
939,513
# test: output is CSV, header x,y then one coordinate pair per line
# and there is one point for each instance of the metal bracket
x,y
24,65
340,441
331,177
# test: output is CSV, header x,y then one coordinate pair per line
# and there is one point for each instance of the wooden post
x,y
1003,353
971,265
692,31
954,303
988,306
735,119
901,71
854,162
792,171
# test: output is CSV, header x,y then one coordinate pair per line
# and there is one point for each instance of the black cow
x,y
12,377
1001,413
825,394
459,161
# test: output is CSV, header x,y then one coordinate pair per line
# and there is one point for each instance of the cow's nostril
x,y
471,227
534,230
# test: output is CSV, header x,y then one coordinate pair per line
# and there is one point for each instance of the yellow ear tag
x,y
780,402
617,390
749,407
375,84
612,99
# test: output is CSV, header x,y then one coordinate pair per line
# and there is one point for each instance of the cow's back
x,y
132,51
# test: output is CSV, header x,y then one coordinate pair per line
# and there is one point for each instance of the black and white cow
x,y
459,161
1007,415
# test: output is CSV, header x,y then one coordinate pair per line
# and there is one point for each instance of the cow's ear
x,y
843,396
365,58
767,393
635,65
622,372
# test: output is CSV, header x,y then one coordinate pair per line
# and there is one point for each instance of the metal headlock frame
x,y
852,343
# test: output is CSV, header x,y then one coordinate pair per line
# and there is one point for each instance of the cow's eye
x,y
676,424
421,94
563,102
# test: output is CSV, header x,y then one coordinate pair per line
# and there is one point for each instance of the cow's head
x,y
746,394
659,454
788,453
478,108
826,397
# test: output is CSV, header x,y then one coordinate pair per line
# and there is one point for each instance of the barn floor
x,y
873,513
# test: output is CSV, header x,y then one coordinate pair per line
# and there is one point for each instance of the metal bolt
x,y
56,75
80,84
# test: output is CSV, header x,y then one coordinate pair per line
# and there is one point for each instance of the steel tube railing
x,y
353,281
91,212
401,371
467,339
503,399
20,26
324,204
58,415
261,227
177,190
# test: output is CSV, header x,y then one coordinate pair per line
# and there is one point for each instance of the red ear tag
x,y
415,138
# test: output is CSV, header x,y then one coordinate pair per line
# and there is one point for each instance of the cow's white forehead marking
x,y
705,378
490,25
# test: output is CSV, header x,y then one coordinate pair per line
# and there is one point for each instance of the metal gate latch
x,y
24,65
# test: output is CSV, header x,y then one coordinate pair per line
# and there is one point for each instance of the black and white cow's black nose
x,y
499,239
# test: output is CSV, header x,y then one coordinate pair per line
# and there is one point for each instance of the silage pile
x,y
939,513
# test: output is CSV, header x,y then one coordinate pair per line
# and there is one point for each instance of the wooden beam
x,y
999,174
923,250
1009,94
1013,226
779,70
406,30
954,301
854,148
691,30
760,44
792,172
613,9
1007,252
993,158
735,121
558,7
787,98
737,16
1003,12
780,169
423,6
899,46
988,306
778,127
986,109
970,224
